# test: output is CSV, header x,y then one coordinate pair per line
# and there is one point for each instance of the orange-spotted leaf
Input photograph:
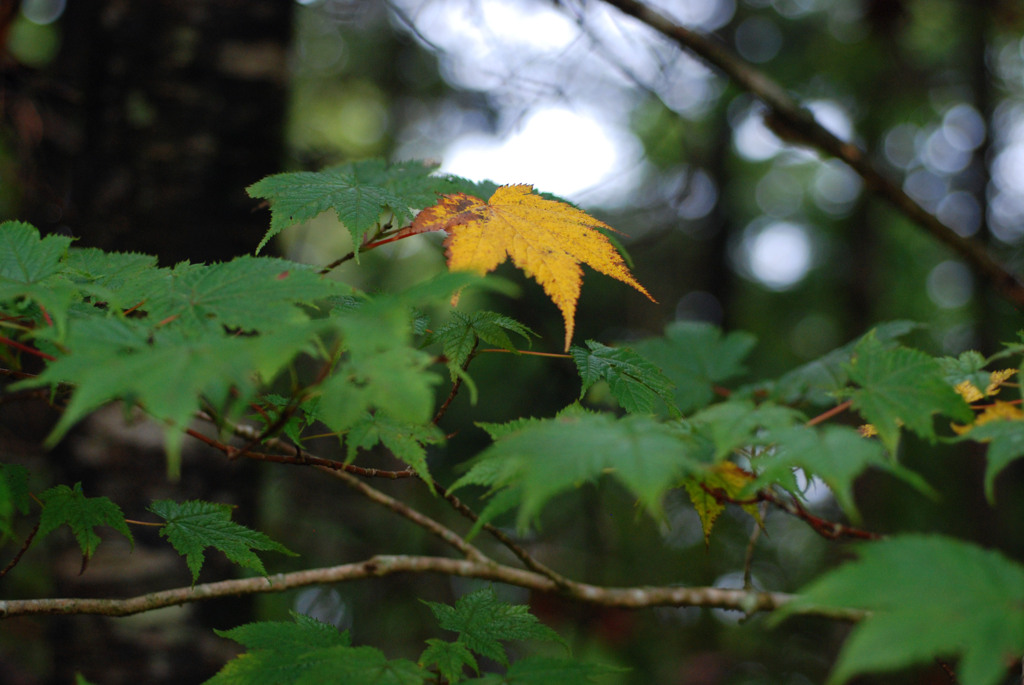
x,y
968,391
971,393
996,411
710,490
547,239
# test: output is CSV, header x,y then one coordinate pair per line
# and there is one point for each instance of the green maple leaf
x,y
29,270
547,457
168,377
349,665
309,652
404,440
929,597
358,192
901,386
728,426
969,366
541,670
27,258
451,658
412,180
382,370
820,380
194,526
483,621
64,505
695,357
482,189
393,380
636,383
303,633
248,293
120,280
835,454
459,335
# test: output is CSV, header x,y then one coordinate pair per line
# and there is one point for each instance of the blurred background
x,y
137,126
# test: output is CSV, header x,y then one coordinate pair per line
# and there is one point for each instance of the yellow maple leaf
x,y
547,239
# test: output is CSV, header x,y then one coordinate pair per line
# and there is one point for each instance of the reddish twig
x,y
831,530
456,385
28,350
21,552
301,458
529,353
826,415
369,245
298,458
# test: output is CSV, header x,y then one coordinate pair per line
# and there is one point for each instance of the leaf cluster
x,y
299,353
309,651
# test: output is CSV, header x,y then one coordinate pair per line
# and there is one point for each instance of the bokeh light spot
x,y
558,150
949,284
778,254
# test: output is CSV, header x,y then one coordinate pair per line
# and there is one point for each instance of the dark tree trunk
x,y
147,127
156,116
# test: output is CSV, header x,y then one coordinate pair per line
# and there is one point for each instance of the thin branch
x,y
748,558
797,124
831,530
21,552
456,386
520,552
301,457
296,458
385,565
341,471
823,527
336,263
446,534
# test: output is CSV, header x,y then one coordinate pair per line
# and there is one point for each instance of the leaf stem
x,y
826,415
456,385
25,348
366,246
470,551
145,523
556,355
